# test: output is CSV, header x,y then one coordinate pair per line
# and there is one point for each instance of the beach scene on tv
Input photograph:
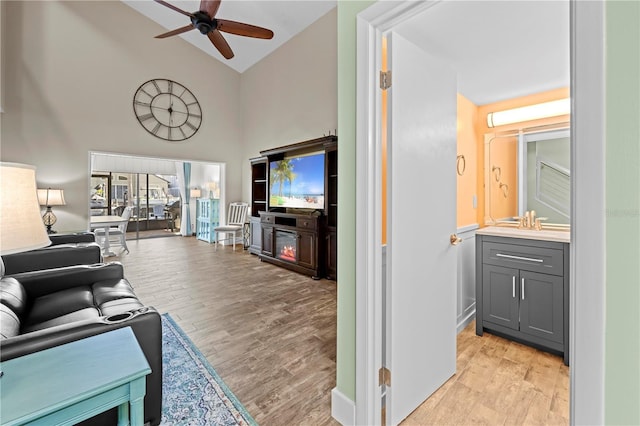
x,y
297,182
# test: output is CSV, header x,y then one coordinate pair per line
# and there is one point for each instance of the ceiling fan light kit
x,y
204,21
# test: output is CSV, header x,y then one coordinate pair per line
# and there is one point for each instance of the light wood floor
x,y
271,333
498,382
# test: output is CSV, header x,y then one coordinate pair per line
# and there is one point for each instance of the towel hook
x,y
464,165
505,189
497,172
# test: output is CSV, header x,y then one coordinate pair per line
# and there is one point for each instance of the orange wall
x,y
503,180
467,184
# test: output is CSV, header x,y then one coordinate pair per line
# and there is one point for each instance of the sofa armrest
x,y
40,283
78,237
55,256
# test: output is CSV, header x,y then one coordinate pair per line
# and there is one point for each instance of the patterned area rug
x,y
193,393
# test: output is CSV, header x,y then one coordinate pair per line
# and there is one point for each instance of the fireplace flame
x,y
288,253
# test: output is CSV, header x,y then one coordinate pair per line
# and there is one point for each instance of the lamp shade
x,y
214,189
51,197
21,226
195,193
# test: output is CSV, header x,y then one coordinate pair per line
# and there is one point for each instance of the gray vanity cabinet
x,y
499,298
523,289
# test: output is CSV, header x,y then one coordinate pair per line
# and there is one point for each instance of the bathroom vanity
x,y
522,286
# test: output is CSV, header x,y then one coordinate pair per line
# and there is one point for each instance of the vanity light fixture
x,y
530,112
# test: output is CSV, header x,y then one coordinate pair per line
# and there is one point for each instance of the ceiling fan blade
x,y
177,9
220,43
239,28
210,6
176,31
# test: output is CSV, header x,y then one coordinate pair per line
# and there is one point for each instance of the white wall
x,y
70,70
291,95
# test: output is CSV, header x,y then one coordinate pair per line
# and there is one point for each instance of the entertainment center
x,y
294,206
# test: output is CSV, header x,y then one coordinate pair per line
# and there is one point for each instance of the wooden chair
x,y
117,234
235,223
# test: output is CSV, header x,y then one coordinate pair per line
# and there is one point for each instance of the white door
x,y
421,276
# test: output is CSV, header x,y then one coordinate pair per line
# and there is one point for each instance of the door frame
x,y
587,205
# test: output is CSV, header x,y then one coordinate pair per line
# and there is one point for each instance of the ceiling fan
x,y
204,20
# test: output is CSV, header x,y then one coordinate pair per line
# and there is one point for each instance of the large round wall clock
x,y
167,109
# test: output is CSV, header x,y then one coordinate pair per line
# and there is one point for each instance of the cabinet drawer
x,y
536,259
267,219
306,223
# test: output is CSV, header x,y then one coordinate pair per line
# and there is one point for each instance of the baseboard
x,y
343,410
466,320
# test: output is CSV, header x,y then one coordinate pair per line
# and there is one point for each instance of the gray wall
x,y
70,70
291,95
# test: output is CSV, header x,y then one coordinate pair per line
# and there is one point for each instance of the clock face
x,y
167,109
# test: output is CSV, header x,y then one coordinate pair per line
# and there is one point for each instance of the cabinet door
x,y
541,305
256,234
307,249
267,240
500,296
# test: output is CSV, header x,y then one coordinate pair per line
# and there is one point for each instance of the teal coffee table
x,y
73,382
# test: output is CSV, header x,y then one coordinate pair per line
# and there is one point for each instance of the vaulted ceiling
x,y
500,49
284,18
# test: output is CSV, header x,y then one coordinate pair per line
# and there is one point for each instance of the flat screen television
x,y
297,182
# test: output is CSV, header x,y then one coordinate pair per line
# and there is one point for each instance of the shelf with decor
x,y
259,195
331,211
207,218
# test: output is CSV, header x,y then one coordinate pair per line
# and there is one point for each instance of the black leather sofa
x,y
65,250
47,308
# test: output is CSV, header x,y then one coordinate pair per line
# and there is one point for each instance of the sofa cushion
x,y
79,315
13,295
60,303
9,322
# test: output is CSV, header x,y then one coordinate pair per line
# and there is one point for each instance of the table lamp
x,y
195,193
20,223
50,197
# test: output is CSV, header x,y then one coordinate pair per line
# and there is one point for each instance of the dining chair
x,y
235,223
117,234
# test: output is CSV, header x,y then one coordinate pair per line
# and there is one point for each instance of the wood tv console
x,y
299,239
292,241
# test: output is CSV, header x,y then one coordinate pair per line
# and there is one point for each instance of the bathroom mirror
x,y
528,170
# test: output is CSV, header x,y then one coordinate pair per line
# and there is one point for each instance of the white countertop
x,y
561,236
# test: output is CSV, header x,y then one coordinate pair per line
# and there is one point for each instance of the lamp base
x,y
49,220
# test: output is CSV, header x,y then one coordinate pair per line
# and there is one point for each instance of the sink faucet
x,y
530,221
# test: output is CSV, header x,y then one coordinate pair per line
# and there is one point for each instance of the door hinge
x,y
384,376
385,79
